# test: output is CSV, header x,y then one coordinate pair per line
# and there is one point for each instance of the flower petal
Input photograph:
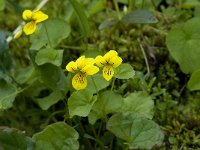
x,y
115,61
82,62
71,66
29,28
79,81
39,16
108,72
90,70
100,61
27,14
109,55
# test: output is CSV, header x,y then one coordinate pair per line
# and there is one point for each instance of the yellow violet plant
x,y
109,61
82,68
33,19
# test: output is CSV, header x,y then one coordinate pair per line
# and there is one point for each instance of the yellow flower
x,y
82,68
110,61
33,18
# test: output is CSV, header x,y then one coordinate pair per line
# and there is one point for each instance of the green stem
x,y
95,86
142,3
117,9
82,130
47,35
113,84
98,133
145,58
131,3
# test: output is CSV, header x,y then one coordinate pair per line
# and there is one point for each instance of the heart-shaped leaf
x,y
12,139
49,55
107,102
57,136
183,44
80,103
139,102
138,132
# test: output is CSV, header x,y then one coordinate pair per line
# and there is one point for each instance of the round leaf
x,y
183,44
100,83
138,132
57,136
52,76
140,103
7,94
80,103
108,102
50,100
124,71
12,139
56,30
49,55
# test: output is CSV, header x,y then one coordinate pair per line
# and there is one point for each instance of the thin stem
x,y
113,84
98,133
142,3
131,3
82,130
145,58
100,127
153,3
95,86
47,35
117,9
111,144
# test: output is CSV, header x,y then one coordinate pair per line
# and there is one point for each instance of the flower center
x,y
81,78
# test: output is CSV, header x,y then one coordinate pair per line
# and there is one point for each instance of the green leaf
x,y
188,4
107,102
194,82
50,100
49,55
25,75
2,4
138,132
5,57
80,103
34,90
12,139
183,44
99,81
57,136
124,71
139,102
52,76
8,92
83,20
96,6
57,30
140,16
108,23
